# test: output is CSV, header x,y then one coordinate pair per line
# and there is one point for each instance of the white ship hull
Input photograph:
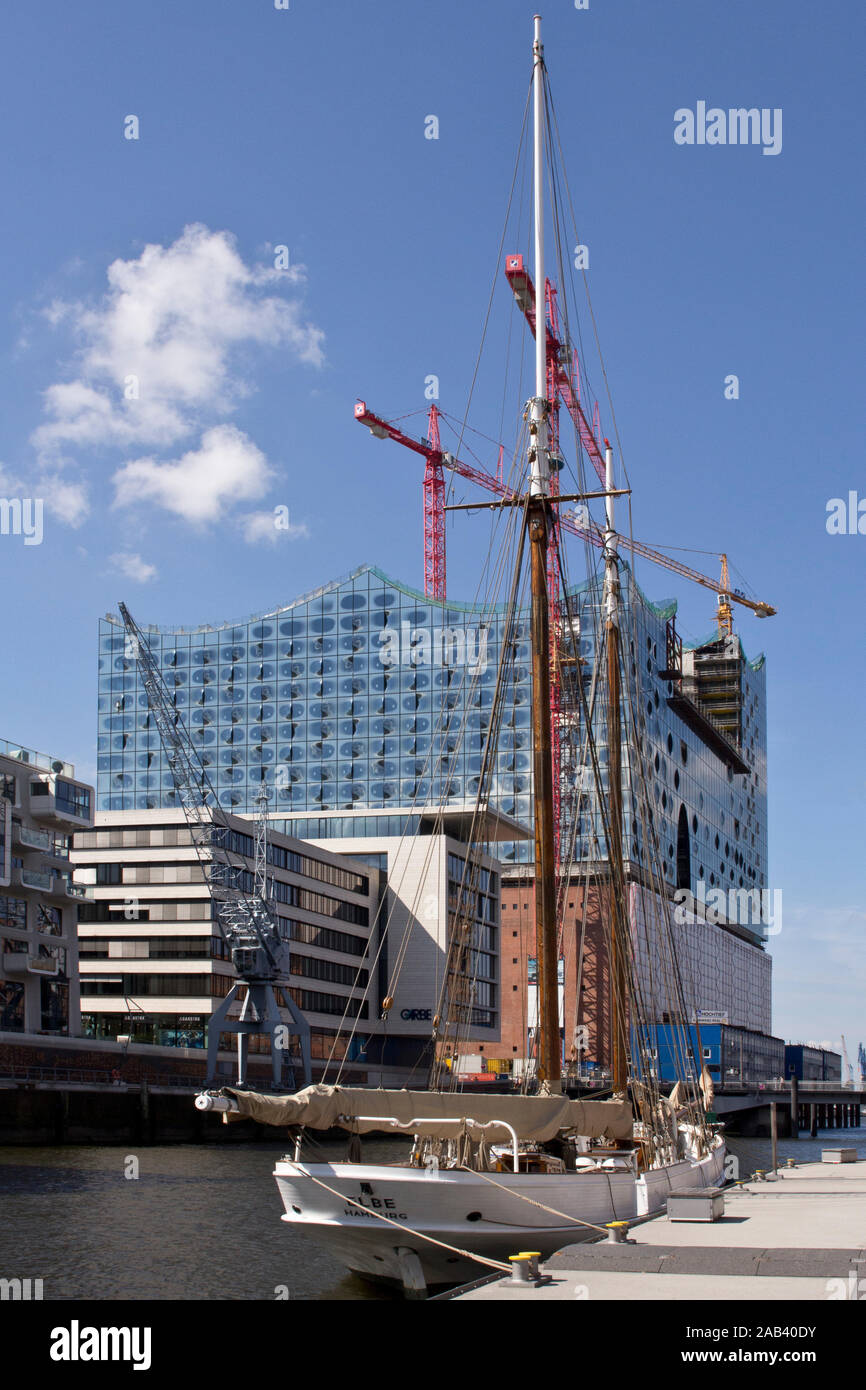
x,y
465,1210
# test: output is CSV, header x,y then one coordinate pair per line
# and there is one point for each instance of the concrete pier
x,y
800,1235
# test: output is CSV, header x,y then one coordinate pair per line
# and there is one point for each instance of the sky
x,y
225,221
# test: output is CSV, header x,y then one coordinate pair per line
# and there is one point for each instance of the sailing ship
x,y
490,1175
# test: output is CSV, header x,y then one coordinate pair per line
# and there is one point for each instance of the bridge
x,y
800,1105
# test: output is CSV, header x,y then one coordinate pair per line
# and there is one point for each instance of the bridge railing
x,y
86,1076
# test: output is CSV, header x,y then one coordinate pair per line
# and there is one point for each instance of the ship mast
x,y
618,1008
548,1047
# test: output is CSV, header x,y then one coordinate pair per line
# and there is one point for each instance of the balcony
x,y
70,889
48,883
32,878
32,838
45,806
20,963
43,761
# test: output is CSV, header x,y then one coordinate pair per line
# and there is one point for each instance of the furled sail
x,y
435,1113
708,1090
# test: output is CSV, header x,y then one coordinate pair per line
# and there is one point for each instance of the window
x,y
137,986
315,969
109,874
313,1002
92,911
48,919
55,1006
11,1007
325,937
13,913
128,949
72,798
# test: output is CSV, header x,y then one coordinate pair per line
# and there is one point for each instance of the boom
x,y
259,955
570,521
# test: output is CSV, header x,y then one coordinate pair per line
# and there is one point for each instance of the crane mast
x,y
245,920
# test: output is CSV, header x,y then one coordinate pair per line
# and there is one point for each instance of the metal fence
x,y
84,1076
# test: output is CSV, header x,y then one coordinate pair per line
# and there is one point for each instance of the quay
x,y
87,1091
797,1235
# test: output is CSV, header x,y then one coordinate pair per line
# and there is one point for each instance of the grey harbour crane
x,y
245,919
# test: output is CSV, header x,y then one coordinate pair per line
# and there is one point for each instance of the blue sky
x,y
305,128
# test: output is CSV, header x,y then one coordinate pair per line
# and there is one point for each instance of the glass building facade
x,y
366,697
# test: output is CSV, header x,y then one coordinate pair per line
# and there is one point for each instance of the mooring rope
x,y
401,1226
575,1220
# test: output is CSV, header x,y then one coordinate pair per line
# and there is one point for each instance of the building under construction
x,y
363,709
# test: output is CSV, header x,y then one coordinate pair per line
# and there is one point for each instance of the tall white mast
x,y
611,573
539,475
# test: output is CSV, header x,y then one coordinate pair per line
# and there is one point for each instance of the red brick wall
x,y
518,944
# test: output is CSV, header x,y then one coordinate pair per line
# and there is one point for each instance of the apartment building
x,y
42,804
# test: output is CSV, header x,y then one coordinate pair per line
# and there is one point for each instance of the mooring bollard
x,y
524,1267
617,1231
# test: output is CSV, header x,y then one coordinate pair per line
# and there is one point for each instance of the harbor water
x,y
202,1222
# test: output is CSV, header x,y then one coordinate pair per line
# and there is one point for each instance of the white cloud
x,y
199,485
272,526
10,486
158,354
132,567
66,499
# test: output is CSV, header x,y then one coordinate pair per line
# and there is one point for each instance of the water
x,y
758,1153
202,1222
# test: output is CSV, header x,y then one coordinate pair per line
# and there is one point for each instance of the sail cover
x,y
436,1113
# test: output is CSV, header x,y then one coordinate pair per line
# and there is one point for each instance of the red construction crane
x,y
566,376
436,460
563,384
563,368
382,429
434,512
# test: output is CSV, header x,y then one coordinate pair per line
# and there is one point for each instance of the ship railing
x,y
409,1126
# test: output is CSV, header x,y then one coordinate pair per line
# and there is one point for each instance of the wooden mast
x,y
618,927
548,1046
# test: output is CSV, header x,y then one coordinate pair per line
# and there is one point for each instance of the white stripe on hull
x,y
466,1210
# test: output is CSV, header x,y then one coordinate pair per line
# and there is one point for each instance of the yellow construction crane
x,y
727,595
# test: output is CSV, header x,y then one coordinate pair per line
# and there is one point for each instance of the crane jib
x,y
259,954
